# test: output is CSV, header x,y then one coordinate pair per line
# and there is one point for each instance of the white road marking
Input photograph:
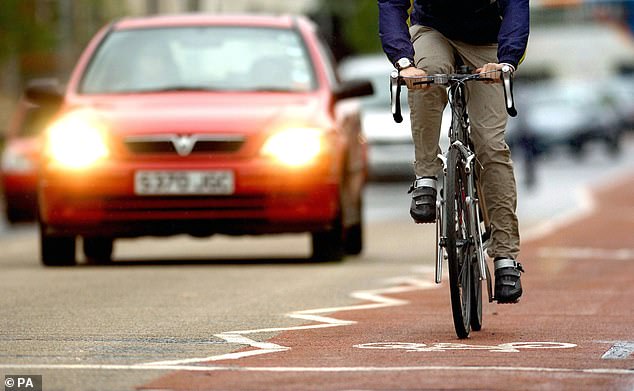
x,y
512,347
376,298
203,368
620,254
619,351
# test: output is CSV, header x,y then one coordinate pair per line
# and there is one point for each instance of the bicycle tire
x,y
460,271
476,296
476,281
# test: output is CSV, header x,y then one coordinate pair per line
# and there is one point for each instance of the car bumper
x,y
266,199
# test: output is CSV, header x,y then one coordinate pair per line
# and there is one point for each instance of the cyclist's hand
x,y
491,71
410,74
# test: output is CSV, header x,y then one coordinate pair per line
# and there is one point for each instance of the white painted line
x,y
203,368
512,347
619,351
376,298
620,254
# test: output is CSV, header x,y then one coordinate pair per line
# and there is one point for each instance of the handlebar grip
x,y
395,96
507,80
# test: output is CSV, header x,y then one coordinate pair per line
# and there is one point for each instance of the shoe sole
x,y
507,302
417,220
424,222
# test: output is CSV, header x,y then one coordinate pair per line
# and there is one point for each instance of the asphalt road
x,y
183,300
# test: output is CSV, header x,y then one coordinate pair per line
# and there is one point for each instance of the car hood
x,y
202,113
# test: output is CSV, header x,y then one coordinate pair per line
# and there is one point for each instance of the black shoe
x,y
423,208
508,288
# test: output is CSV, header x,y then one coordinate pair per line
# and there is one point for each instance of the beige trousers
x,y
487,114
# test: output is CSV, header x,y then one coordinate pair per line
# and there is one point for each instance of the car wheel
x,y
354,239
329,245
14,216
98,249
57,250
354,235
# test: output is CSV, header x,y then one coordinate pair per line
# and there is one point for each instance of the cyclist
x,y
486,35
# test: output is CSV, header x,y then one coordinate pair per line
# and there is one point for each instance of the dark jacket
x,y
478,22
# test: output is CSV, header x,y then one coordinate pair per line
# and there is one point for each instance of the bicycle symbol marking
x,y
512,347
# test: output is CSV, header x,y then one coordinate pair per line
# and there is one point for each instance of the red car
x,y
202,124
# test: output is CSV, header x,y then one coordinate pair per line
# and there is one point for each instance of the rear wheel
x,y
56,250
459,255
354,234
329,245
98,249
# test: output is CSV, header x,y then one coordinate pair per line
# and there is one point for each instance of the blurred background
x,y
574,91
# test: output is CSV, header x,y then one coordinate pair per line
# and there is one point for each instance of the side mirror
x,y
44,92
354,89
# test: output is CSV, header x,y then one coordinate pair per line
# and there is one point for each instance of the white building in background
x,y
142,7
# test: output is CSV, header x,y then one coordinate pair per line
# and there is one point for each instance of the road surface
x,y
253,313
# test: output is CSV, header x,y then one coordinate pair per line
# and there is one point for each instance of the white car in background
x,y
391,150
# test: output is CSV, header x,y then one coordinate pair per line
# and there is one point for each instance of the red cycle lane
x,y
574,328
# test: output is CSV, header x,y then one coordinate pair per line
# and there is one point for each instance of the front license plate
x,y
183,182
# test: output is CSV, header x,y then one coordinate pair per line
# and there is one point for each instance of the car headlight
x,y
295,147
77,140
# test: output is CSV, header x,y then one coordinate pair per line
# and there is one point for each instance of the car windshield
x,y
201,58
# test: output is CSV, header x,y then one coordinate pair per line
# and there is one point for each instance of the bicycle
x,y
462,225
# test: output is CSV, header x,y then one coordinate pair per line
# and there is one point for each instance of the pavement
x,y
572,330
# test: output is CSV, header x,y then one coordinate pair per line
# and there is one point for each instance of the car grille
x,y
184,145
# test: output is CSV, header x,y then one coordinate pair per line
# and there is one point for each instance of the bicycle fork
x,y
473,212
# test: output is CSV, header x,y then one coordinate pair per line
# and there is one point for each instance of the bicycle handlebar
x,y
396,81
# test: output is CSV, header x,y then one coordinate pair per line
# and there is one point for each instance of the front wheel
x,y
56,250
98,250
459,255
476,295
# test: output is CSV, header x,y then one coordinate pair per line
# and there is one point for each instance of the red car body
x,y
160,140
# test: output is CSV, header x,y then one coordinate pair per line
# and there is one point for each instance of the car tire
x,y
57,250
14,216
329,245
98,250
354,235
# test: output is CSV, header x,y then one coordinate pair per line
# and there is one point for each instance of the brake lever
x,y
395,96
507,80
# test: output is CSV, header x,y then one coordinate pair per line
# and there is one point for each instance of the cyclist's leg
x,y
434,54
